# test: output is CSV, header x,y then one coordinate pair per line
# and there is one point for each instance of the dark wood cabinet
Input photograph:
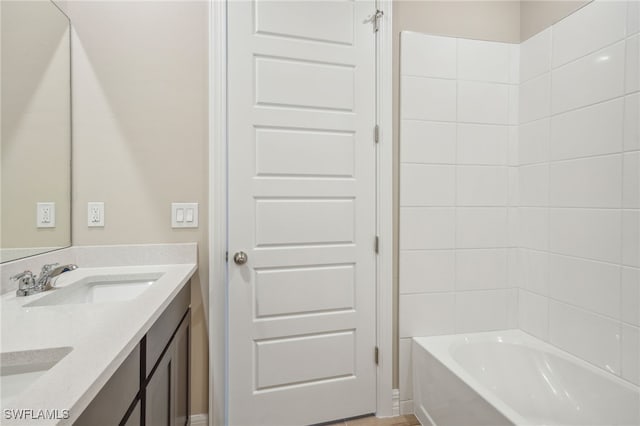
x,y
151,387
167,390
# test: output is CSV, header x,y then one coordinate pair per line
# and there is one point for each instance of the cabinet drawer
x,y
112,402
160,333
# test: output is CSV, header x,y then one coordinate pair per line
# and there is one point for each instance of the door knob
x,y
240,258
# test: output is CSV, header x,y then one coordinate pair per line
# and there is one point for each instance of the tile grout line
x,y
548,173
455,193
622,198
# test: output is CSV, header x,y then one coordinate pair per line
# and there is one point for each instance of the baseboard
x,y
395,402
199,420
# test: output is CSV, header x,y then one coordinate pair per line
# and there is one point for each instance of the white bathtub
x,y
509,377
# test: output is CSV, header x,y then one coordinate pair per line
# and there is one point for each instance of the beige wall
x,y
141,118
36,123
536,15
140,95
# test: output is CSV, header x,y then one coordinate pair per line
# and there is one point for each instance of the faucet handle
x,y
21,275
48,268
26,283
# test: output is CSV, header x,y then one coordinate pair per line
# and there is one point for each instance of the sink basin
x,y
99,289
20,369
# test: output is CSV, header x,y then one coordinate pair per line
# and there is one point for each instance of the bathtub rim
x,y
441,347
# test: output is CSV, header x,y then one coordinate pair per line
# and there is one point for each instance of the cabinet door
x,y
181,372
167,392
110,406
159,397
134,418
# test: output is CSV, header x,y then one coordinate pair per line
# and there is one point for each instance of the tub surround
x,y
102,335
579,208
561,260
458,140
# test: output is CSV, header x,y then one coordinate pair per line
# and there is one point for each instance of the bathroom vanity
x,y
108,345
151,387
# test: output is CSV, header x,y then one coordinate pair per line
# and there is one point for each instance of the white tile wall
x,y
482,310
535,55
533,271
533,314
428,56
482,61
632,61
437,185
630,296
631,180
481,269
425,271
533,228
482,144
480,102
579,284
633,17
586,182
588,30
589,131
535,98
585,334
589,233
457,180
481,185
426,314
427,228
631,238
533,142
428,99
631,353
588,80
544,139
632,122
481,227
428,142
586,284
533,187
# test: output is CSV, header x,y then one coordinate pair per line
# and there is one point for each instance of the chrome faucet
x,y
28,284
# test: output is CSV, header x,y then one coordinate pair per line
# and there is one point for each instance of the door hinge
x,y
376,134
376,245
376,355
376,20
226,256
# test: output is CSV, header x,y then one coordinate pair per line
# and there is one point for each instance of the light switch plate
x,y
184,215
95,214
46,215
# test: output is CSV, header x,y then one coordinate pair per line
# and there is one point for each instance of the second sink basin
x,y
18,370
99,289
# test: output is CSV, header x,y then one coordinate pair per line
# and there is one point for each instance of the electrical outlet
x,y
184,215
46,215
95,214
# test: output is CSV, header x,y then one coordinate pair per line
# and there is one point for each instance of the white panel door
x,y
301,89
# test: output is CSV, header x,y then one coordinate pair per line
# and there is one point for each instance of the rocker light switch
x,y
184,215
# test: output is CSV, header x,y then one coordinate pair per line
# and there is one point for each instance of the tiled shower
x,y
520,187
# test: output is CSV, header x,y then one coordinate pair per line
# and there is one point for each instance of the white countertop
x,y
101,334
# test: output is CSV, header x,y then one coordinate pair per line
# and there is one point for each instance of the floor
x,y
408,420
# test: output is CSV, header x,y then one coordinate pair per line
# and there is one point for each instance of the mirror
x,y
35,127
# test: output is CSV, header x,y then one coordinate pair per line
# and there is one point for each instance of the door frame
x,y
218,296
